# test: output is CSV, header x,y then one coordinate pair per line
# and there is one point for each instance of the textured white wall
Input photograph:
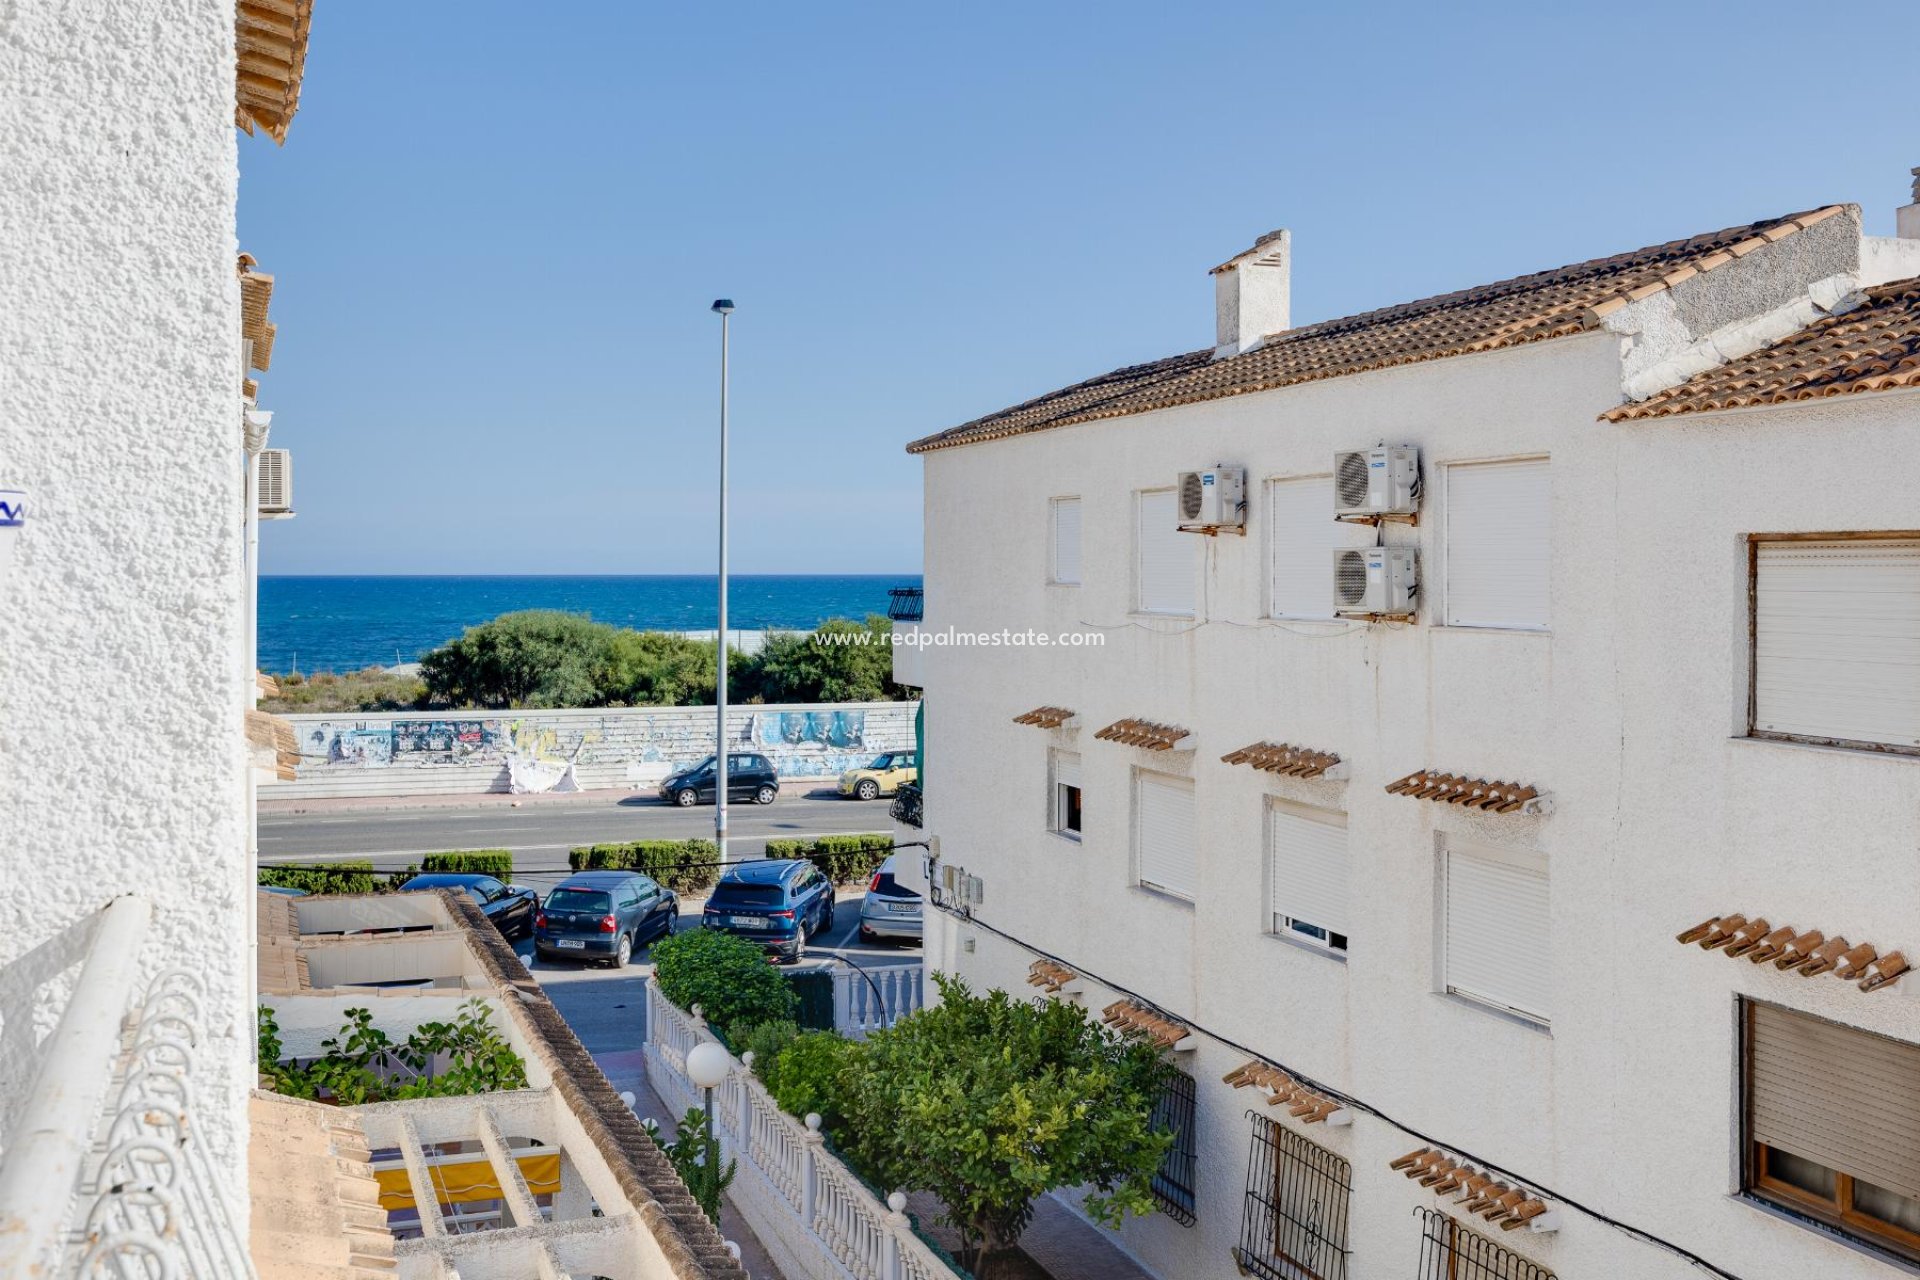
x,y
121,759
1623,711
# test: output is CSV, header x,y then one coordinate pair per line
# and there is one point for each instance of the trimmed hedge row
x,y
332,877
358,875
487,862
844,859
665,860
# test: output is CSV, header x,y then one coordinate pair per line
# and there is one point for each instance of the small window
x,y
1498,940
1301,534
1448,1251
1065,569
1064,819
1173,1181
1836,641
1165,559
1307,871
1295,1223
1832,1121
1499,544
1165,857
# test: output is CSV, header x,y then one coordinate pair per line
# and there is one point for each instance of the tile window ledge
x,y
1300,944
1892,1261
1162,895
1870,751
1495,1011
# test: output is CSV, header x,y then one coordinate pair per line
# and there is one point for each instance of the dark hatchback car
x,y
603,915
777,902
509,906
750,776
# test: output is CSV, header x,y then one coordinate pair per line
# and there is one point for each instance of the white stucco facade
x,y
1629,709
119,415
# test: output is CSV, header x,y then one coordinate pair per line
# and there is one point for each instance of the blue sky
x,y
496,228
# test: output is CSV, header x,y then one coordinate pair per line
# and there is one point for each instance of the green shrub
x,y
809,1074
842,859
764,1040
365,1064
487,862
728,977
685,866
330,877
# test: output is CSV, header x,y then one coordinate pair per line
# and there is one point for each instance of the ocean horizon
x,y
344,622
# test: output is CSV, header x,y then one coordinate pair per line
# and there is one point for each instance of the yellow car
x,y
885,774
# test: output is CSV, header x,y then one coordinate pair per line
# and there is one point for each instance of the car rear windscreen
x,y
579,900
757,894
885,884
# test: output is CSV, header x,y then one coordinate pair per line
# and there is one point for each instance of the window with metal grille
x,y
1173,1180
1448,1251
1295,1223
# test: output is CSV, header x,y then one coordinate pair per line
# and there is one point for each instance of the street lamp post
x,y
708,1066
723,307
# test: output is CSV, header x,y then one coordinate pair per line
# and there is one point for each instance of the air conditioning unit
x,y
1376,482
1379,582
1213,499
276,482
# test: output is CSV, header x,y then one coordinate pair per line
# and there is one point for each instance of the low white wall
x,y
413,753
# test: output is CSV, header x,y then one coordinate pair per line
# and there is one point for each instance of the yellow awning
x,y
468,1181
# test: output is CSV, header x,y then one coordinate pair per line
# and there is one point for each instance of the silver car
x,y
890,909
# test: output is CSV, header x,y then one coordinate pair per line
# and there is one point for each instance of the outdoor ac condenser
x,y
1381,582
1212,499
1383,481
276,482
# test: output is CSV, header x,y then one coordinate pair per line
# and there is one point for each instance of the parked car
x,y
890,909
509,906
603,915
776,902
884,775
750,776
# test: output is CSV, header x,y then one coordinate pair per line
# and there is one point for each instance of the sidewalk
x,y
1059,1244
494,799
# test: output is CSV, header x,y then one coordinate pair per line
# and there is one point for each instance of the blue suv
x,y
776,902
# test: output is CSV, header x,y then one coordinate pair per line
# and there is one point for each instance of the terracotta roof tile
x,y
1302,1103
271,41
1470,793
1051,976
1136,1019
1875,347
314,1200
1476,1191
1045,717
1809,953
1548,304
1283,758
1143,733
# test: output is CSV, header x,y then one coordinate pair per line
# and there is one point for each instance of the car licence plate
x,y
904,908
746,922
572,944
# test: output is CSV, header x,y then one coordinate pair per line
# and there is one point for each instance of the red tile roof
x,y
1548,304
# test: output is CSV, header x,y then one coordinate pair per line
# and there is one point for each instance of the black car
x,y
603,915
509,906
750,776
776,902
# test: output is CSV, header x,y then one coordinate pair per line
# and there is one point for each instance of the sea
x,y
315,623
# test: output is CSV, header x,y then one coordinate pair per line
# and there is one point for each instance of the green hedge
x,y
844,859
728,977
331,877
665,860
487,862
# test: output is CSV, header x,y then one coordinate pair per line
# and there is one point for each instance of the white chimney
x,y
1907,222
1250,294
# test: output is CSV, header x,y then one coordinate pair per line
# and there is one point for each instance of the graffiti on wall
x,y
835,730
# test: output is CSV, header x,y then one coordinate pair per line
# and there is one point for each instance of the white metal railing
x,y
104,1172
866,1000
791,1190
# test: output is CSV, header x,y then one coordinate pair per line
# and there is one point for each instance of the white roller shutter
x,y
1499,544
1066,541
1837,640
1301,531
1164,556
1307,860
1164,834
1066,768
1499,941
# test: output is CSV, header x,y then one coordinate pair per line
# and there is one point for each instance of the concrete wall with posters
x,y
448,754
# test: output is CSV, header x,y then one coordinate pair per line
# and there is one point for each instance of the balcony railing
x,y
909,806
104,1168
906,603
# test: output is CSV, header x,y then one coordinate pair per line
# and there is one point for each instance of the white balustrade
x,y
867,1000
808,1208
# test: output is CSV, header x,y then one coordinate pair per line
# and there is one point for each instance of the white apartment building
x,y
1402,889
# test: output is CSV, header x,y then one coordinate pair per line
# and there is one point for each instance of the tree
x,y
839,661
534,658
989,1102
656,669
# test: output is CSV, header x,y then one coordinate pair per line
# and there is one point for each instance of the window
x,y
1294,1226
1833,1125
1173,1180
1164,852
1064,817
1498,944
1065,569
1836,641
1448,1251
1302,533
1163,556
1307,874
1499,544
